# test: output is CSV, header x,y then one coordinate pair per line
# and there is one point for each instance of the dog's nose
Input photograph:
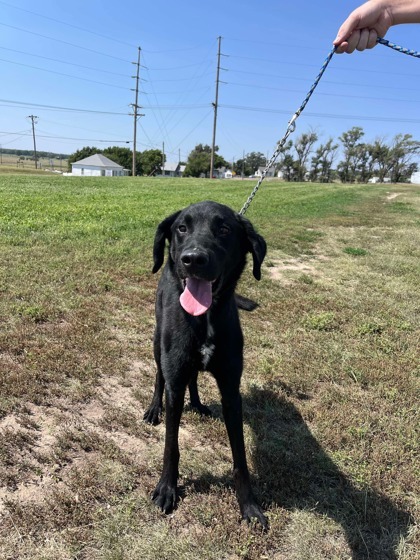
x,y
194,259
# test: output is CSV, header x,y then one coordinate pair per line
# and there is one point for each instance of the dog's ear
x,y
163,232
256,246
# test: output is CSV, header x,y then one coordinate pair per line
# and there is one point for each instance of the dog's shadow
x,y
294,472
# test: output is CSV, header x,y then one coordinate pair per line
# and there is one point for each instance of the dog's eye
x,y
224,230
182,228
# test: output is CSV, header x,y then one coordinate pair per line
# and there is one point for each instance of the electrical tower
x,y
136,107
215,106
34,120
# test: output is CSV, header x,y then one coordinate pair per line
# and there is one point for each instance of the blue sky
x,y
56,56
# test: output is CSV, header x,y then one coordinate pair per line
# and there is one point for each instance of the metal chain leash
x,y
292,123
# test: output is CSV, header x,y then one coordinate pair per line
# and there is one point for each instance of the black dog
x,y
198,328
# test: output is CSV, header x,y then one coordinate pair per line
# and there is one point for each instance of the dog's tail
x,y
245,303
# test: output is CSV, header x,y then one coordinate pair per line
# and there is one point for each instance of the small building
x,y
171,169
270,172
415,178
97,166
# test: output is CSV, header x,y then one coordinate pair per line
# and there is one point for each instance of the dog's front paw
x,y
251,512
165,496
153,414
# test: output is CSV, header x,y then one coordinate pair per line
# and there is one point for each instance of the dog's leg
x,y
165,494
154,411
196,403
232,412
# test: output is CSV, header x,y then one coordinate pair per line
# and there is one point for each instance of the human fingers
x,y
372,41
346,29
353,41
342,48
363,40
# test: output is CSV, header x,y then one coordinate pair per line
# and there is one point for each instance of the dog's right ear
x,y
163,232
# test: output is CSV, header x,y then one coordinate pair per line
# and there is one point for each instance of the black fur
x,y
185,344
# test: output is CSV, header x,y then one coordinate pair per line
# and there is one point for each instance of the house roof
x,y
261,168
170,166
98,160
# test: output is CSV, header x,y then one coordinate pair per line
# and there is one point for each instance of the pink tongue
x,y
197,296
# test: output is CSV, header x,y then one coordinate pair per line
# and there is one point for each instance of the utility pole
x,y
215,106
163,158
34,121
136,108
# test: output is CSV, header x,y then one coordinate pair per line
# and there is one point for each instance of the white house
x,y
270,172
172,169
97,166
415,178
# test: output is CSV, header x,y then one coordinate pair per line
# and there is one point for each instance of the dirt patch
x,y
391,196
46,427
287,270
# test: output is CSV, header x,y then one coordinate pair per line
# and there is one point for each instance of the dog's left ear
x,y
256,246
163,232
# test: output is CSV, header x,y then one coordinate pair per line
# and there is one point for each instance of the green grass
x,y
330,384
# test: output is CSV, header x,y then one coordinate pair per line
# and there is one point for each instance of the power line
x,y
294,63
323,115
352,84
64,62
67,24
62,74
64,42
340,95
57,108
194,80
21,134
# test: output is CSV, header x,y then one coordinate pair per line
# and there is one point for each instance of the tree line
x,y
30,153
359,161
300,160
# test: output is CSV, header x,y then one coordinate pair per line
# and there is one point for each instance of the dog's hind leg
x,y
195,401
154,411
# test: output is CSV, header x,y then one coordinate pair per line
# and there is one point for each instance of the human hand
x,y
363,26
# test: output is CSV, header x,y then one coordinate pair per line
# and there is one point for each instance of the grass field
x,y
330,384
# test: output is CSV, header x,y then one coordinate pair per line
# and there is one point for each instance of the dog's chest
x,y
207,345
206,352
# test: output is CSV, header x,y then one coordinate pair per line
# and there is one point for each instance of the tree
x,y
380,159
82,154
402,151
122,156
322,162
286,162
303,147
254,160
249,164
198,162
348,168
149,162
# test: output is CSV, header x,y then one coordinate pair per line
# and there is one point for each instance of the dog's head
x,y
208,243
